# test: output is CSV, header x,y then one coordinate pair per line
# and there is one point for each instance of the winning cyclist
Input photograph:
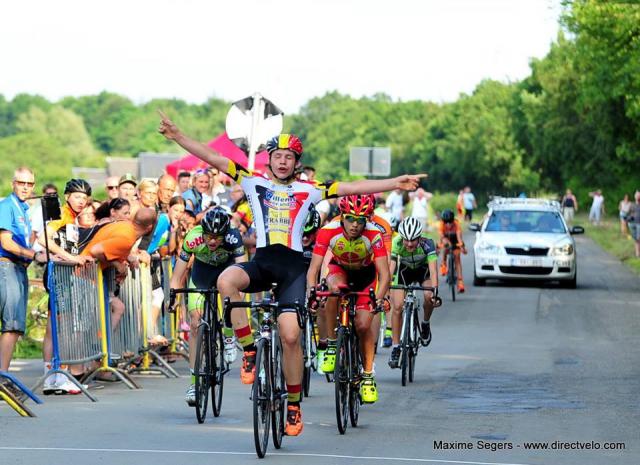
x,y
216,246
413,260
451,235
359,258
280,206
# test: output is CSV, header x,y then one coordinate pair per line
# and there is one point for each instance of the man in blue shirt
x,y
15,256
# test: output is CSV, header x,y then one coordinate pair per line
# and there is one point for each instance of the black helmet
x,y
447,216
313,222
77,185
216,221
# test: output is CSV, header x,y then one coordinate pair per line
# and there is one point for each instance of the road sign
x,y
370,161
251,122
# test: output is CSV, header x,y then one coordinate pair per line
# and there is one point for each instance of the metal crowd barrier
x,y
140,281
171,321
76,317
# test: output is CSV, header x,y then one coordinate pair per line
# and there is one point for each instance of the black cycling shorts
x,y
205,276
280,265
406,276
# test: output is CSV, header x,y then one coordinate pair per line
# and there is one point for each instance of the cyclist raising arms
x,y
280,206
451,235
216,246
413,259
359,258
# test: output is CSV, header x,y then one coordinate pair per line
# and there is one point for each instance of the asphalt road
x,y
508,365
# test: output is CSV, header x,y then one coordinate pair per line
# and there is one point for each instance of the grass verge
x,y
609,237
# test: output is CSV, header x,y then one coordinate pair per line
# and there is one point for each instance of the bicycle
x,y
410,340
348,365
209,368
269,393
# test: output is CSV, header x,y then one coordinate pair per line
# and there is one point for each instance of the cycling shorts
x,y
203,276
280,265
358,280
406,276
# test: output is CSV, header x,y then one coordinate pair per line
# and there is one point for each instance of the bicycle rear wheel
x,y
354,390
341,379
261,394
279,395
218,369
202,371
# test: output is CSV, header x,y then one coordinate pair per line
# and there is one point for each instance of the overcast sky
x,y
288,50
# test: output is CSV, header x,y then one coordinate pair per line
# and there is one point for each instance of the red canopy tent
x,y
225,147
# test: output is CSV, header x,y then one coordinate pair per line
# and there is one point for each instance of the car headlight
x,y
487,248
563,250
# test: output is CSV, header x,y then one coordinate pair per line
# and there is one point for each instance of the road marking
x,y
281,454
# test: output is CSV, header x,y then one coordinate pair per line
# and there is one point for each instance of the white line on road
x,y
281,454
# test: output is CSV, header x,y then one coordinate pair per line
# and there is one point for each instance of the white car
x,y
525,239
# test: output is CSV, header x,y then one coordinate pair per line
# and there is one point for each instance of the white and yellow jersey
x,y
280,210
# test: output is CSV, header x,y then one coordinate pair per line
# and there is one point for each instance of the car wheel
x,y
478,281
570,283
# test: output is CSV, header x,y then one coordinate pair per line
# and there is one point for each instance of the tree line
x,y
574,122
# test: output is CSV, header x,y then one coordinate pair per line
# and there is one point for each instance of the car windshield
x,y
525,221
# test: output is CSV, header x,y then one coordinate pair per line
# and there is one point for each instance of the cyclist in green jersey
x,y
413,260
215,246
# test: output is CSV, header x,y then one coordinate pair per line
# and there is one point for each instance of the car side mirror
x,y
577,230
475,227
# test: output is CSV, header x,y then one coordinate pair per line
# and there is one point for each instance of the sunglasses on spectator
x,y
356,218
112,187
25,183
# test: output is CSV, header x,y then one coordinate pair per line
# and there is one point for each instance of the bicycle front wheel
x,y
218,369
414,344
279,395
452,275
404,343
342,377
202,371
261,397
354,390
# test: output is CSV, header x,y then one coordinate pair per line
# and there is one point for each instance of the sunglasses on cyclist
x,y
356,218
208,237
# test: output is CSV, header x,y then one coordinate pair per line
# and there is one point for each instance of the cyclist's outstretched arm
x,y
407,182
169,130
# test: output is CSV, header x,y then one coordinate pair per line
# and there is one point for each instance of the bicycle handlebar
x,y
413,288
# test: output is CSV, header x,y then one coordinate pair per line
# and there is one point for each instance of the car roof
x,y
517,203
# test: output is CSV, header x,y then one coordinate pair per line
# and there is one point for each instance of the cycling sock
x,y
367,374
245,338
331,342
395,346
293,393
426,321
193,376
322,344
227,332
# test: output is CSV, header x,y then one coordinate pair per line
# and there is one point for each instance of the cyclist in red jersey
x,y
280,206
360,262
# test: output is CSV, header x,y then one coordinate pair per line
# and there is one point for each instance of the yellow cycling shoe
x,y
329,362
368,390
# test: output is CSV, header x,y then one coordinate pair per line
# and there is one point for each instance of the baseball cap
x,y
128,178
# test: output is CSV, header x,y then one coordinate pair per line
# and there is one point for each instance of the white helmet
x,y
410,229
